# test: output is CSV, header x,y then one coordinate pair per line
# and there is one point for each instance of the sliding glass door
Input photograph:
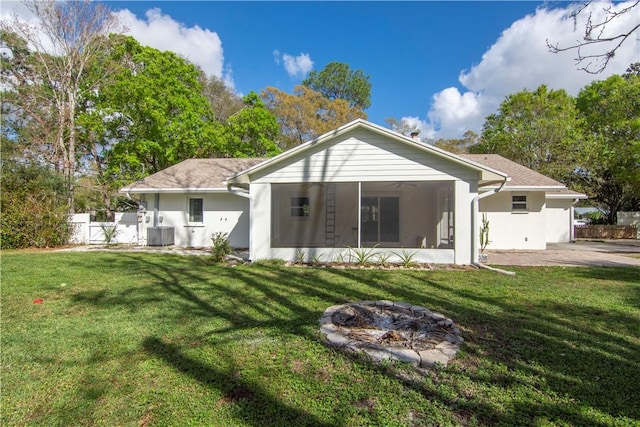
x,y
380,220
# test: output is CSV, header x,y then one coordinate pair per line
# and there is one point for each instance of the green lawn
x,y
147,339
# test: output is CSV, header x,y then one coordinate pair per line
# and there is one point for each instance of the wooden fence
x,y
606,232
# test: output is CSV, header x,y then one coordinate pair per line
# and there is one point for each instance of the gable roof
x,y
523,178
487,173
192,175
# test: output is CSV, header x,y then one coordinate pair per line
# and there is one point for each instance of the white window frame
x,y
306,208
190,214
522,205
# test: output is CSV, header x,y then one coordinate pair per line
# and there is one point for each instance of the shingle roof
x,y
521,176
211,174
193,174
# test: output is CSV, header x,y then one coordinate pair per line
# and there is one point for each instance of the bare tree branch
x,y
594,34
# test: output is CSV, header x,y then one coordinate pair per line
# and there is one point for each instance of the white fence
x,y
123,230
630,218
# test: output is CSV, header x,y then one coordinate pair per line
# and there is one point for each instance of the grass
x,y
150,339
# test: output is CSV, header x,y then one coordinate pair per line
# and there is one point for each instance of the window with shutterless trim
x,y
519,203
300,206
196,209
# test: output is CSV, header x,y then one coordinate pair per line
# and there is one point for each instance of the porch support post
x,y
464,193
359,209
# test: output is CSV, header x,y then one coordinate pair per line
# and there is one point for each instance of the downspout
x,y
156,202
476,207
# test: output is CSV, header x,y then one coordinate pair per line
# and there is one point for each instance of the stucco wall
x,y
558,220
515,230
226,213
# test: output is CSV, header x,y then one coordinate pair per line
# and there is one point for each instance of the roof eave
x,y
192,190
580,196
528,188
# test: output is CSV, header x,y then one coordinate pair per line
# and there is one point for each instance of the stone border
x,y
441,354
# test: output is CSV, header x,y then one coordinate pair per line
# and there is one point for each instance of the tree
x,y
32,201
632,70
595,33
307,114
152,116
402,126
610,173
540,130
224,103
461,145
62,44
338,81
252,131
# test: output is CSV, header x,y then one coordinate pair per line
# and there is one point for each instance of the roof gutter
x,y
173,190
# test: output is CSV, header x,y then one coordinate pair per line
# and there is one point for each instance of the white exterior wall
x,y
514,230
362,156
365,156
261,223
222,212
463,243
558,220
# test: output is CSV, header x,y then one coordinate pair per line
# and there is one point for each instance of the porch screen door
x,y
380,220
445,218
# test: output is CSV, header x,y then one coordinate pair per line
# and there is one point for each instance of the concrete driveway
x,y
611,253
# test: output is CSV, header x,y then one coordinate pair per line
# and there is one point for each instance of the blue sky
x,y
443,66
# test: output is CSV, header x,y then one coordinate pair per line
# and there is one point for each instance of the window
x,y
519,203
300,207
196,213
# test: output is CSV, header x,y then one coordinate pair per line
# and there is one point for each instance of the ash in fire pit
x,y
388,330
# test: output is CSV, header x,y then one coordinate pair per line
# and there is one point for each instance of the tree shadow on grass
x,y
570,359
249,402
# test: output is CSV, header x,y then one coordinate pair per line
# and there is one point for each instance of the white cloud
x,y
296,66
199,45
520,59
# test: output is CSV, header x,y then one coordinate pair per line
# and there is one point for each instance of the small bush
x,y
363,256
33,204
109,233
220,247
406,257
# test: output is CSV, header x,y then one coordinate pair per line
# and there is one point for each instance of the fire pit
x,y
392,330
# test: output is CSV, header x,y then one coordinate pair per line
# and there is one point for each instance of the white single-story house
x,y
359,186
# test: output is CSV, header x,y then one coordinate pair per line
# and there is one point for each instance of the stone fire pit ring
x,y
392,330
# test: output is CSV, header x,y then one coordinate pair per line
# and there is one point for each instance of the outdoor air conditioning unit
x,y
160,236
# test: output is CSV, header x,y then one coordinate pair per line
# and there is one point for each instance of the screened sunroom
x,y
398,214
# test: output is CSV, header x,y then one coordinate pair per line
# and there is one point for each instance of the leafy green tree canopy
x,y
252,131
611,170
338,81
540,130
153,115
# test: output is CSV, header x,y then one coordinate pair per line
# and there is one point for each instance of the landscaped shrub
x,y
33,206
220,247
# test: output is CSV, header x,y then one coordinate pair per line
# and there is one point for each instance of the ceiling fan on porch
x,y
399,184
